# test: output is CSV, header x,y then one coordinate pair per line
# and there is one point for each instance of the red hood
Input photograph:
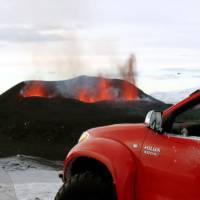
x,y
128,134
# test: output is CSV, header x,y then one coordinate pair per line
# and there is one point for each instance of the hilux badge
x,y
151,150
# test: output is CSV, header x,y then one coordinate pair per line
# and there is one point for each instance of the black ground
x,y
50,127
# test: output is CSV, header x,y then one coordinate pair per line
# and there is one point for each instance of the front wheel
x,y
86,186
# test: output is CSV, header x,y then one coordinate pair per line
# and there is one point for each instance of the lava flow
x,y
105,91
99,93
35,89
101,89
129,92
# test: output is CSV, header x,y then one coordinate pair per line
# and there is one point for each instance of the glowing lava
x,y
101,89
99,93
105,91
129,92
35,89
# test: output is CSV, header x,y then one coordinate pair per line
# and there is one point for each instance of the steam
x,y
58,60
81,53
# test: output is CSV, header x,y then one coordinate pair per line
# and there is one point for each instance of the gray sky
x,y
59,39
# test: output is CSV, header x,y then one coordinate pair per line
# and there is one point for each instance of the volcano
x,y
51,115
83,88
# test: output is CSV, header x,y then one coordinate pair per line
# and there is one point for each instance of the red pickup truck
x,y
157,160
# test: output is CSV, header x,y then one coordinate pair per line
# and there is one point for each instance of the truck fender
x,y
118,159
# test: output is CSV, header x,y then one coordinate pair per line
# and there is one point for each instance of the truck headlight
x,y
84,136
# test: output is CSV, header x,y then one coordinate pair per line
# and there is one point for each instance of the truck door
x,y
170,163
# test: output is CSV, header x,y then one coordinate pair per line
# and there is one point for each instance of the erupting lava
x,y
35,89
129,93
99,89
105,91
100,93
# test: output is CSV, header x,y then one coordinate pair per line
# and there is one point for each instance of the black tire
x,y
86,186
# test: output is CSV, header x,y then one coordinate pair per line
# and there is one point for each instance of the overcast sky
x,y
59,39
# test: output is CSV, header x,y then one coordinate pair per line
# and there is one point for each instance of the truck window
x,y
188,122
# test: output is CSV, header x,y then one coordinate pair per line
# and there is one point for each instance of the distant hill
x,y
174,96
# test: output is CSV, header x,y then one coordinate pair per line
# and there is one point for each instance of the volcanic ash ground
x,y
28,178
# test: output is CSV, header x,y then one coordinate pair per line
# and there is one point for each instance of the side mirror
x,y
154,120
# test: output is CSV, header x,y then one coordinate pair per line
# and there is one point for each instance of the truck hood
x,y
131,135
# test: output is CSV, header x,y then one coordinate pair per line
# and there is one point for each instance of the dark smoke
x,y
127,72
